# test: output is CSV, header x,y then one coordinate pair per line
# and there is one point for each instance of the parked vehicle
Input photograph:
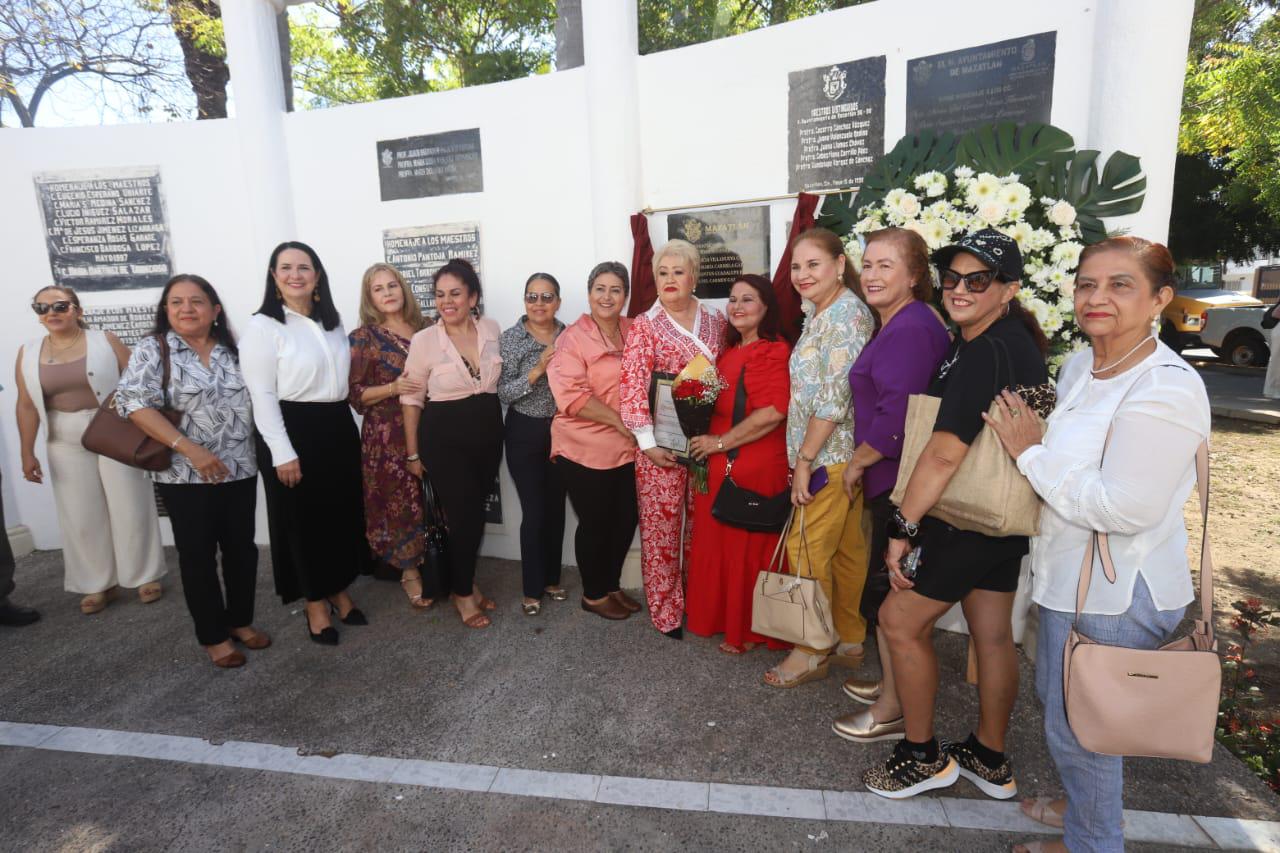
x,y
1235,334
1183,319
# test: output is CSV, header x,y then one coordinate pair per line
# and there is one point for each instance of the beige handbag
x,y
1156,703
790,607
988,494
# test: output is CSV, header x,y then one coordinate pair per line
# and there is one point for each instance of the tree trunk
x,y
207,72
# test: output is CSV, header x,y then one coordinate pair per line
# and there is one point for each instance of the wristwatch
x,y
899,528
807,459
412,457
720,443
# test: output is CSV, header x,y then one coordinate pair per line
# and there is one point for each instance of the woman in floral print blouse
x,y
820,435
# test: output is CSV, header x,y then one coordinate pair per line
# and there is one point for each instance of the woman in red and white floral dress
x,y
664,339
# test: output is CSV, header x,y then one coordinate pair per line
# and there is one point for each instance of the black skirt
x,y
316,527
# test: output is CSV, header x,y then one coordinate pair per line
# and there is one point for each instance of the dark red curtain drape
x,y
788,299
643,288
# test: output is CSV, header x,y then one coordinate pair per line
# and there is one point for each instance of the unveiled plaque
x,y
730,242
130,323
105,229
439,164
1005,81
836,124
418,252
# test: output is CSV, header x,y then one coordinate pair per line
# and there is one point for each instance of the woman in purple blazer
x,y
899,361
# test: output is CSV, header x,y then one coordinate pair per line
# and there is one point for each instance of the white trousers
x,y
107,512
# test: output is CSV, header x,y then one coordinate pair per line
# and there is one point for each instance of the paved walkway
x,y
555,732
1237,392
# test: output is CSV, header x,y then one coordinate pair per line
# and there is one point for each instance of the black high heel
x,y
327,636
355,616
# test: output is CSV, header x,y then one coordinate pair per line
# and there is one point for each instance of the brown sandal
x,y
730,649
257,641
478,620
96,602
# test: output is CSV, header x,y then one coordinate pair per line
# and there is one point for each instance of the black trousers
x,y
461,446
605,501
541,492
7,563
208,517
876,588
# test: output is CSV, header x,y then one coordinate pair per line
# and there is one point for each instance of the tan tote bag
x,y
1154,703
790,607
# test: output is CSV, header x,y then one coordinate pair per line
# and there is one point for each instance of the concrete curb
x,y
1254,415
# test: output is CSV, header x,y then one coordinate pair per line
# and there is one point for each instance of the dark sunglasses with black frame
x,y
62,306
547,298
974,282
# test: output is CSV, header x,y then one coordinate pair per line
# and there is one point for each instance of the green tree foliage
x,y
666,24
1230,132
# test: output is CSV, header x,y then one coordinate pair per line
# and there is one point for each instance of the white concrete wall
x,y
713,126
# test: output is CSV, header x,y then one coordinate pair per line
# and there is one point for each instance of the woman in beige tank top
x,y
110,530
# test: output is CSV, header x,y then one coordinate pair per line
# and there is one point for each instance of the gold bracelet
x,y
174,445
808,460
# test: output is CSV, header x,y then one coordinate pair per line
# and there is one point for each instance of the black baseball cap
x,y
997,250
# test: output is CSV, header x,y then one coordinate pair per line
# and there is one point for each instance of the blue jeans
x,y
1094,783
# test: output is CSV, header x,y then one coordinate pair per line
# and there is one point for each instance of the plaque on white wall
x,y
730,242
436,164
105,228
835,122
419,251
129,323
1004,81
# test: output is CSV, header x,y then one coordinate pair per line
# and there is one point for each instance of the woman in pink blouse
x,y
453,427
592,449
662,341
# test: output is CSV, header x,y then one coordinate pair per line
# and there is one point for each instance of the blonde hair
x,y
72,297
685,251
410,311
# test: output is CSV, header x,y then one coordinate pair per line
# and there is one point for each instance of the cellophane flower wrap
x,y
694,392
944,206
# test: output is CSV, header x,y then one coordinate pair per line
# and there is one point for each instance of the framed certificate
x,y
666,423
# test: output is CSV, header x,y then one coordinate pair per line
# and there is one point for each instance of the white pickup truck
x,y
1236,335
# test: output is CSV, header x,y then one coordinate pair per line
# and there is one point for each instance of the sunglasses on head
x,y
547,298
62,306
974,282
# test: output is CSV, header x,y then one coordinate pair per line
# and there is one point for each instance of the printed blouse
x,y
820,363
214,401
520,353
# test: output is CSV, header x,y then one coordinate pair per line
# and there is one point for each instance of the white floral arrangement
x,y
944,207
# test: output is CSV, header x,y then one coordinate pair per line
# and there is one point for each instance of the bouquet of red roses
x,y
694,393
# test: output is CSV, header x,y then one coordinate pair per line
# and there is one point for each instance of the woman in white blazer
x,y
110,530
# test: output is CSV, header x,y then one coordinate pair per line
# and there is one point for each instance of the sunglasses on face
x,y
974,282
59,307
547,298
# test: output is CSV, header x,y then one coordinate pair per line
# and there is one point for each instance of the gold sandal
x,y
416,600
150,592
817,671
96,602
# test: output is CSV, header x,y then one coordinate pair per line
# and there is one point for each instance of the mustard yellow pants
x,y
835,552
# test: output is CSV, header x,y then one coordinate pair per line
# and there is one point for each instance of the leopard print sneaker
x,y
902,776
995,782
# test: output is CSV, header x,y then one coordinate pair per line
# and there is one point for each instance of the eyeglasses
x,y
547,298
60,307
974,282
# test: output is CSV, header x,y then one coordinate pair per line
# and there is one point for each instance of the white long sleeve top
x,y
1136,496
296,361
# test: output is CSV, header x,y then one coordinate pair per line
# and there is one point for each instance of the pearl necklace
x,y
1121,359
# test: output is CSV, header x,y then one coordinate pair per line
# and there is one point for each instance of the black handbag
x,y
740,507
435,566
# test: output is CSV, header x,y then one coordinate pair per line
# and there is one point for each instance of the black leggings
x,y
208,517
541,493
605,501
461,446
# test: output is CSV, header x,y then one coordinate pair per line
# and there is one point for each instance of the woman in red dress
x,y
726,559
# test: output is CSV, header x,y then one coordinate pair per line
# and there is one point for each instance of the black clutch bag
x,y
740,507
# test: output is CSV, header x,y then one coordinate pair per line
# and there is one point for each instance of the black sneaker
x,y
994,782
903,776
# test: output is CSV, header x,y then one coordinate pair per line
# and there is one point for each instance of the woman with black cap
x,y
999,345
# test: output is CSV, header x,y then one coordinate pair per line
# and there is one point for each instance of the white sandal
x,y
817,671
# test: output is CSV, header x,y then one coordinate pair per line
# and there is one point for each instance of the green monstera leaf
x,y
1073,177
1007,148
924,152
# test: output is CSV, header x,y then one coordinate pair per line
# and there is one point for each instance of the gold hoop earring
x,y
315,295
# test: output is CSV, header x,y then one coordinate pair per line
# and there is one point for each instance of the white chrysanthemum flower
x,y
936,234
992,211
1069,232
865,225
1015,196
984,188
963,172
1052,321
1062,213
853,250
1021,233
1011,178
940,209
1067,254
903,203
933,184
1039,309
1041,239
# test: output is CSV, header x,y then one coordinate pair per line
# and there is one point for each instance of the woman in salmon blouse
x,y
726,559
664,339
591,448
453,426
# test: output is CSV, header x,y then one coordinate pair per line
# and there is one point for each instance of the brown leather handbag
x,y
1156,703
120,439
